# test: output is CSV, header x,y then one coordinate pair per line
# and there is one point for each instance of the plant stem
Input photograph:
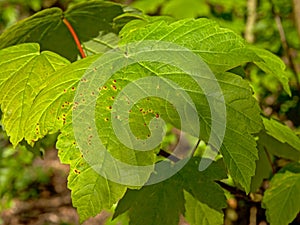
x,y
286,46
233,190
75,37
171,157
270,161
296,6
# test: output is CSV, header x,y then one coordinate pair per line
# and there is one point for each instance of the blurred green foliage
x,y
227,13
13,10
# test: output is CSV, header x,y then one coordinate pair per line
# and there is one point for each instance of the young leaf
x,y
282,198
280,140
200,213
47,28
23,73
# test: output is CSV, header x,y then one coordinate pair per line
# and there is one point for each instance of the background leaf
x,y
200,213
163,203
202,185
282,198
272,64
47,28
280,140
263,169
159,204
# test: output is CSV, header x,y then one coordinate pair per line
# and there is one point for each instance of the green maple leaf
x,y
23,74
37,98
241,106
52,108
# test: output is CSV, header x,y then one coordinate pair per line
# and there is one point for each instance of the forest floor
x,y
53,205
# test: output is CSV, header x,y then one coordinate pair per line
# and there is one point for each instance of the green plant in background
x,y
13,10
227,13
41,68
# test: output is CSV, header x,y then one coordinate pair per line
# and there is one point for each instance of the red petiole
x,y
76,39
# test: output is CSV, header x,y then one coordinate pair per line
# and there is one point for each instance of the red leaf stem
x,y
76,39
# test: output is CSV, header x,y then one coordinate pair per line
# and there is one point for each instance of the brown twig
x,y
174,158
286,46
75,37
296,6
233,190
251,18
171,157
